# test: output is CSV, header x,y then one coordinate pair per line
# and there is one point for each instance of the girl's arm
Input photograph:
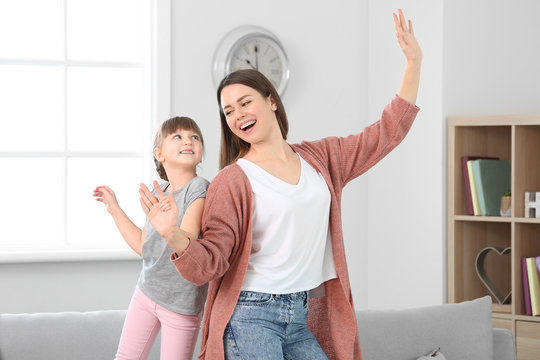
x,y
132,234
178,238
191,222
413,54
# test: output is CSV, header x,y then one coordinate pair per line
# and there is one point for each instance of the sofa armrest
x,y
504,345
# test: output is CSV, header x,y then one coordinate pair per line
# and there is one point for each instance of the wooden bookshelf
x,y
514,138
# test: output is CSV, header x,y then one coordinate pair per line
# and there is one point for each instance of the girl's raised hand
x,y
162,211
106,195
406,38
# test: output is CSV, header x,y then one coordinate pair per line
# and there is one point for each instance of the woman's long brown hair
x,y
232,147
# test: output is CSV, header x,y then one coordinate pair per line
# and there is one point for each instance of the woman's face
x,y
250,116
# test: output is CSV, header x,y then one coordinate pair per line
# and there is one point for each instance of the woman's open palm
x,y
406,38
162,211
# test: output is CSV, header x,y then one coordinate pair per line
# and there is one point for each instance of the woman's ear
x,y
273,104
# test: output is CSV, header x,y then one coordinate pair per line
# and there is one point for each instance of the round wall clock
x,y
252,47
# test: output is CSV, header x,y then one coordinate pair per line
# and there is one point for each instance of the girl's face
x,y
250,116
182,148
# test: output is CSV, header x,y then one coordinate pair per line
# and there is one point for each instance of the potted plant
x,y
506,204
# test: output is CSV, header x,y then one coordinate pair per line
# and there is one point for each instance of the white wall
x,y
479,57
327,91
492,57
405,191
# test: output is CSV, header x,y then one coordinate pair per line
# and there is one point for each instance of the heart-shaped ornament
x,y
485,279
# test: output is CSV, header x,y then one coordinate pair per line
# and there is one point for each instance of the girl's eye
x,y
195,137
177,137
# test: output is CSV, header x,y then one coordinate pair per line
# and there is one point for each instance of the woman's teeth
x,y
247,125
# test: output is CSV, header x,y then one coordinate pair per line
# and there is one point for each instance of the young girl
x,y
163,298
272,245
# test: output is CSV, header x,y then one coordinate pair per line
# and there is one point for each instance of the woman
x,y
271,231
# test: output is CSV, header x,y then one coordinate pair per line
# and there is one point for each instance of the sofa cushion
x,y
82,336
463,331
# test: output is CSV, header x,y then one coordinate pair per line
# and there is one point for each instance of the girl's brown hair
x,y
232,147
169,127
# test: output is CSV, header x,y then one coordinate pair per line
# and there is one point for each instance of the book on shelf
x,y
466,181
492,180
534,285
474,196
526,292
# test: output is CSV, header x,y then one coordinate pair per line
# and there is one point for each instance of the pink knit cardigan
x,y
221,256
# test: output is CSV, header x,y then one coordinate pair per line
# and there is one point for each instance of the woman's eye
x,y
227,113
246,103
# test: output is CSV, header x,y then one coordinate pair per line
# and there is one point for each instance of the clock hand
x,y
250,64
256,57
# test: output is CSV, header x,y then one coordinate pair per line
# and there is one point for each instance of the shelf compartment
x,y
484,141
527,168
527,340
470,239
527,246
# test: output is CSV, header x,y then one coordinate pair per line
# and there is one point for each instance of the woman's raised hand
x,y
406,38
162,211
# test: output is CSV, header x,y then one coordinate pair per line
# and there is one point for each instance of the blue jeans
x,y
271,327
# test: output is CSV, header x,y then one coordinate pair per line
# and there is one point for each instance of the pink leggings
x,y
143,321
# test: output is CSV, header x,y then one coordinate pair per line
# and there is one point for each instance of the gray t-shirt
x,y
159,279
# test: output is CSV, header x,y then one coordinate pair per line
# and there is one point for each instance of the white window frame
x,y
160,109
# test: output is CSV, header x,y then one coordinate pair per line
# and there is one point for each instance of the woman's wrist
x,y
177,239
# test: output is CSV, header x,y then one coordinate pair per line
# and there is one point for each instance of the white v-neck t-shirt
x,y
291,246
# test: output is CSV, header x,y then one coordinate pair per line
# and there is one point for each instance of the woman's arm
x,y
224,227
162,212
131,233
409,45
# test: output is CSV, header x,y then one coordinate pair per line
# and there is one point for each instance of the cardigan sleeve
x,y
210,256
349,157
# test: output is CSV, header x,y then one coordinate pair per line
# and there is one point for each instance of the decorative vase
x,y
506,206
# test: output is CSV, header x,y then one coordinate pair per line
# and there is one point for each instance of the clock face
x,y
263,54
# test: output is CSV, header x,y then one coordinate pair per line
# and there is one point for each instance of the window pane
x,y
32,210
105,30
105,109
32,29
89,223
32,109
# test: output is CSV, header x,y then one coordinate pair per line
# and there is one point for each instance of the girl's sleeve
x,y
197,189
210,256
349,157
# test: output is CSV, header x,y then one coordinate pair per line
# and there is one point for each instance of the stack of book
x,y
531,285
485,181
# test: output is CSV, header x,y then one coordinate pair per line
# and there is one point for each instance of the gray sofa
x,y
463,331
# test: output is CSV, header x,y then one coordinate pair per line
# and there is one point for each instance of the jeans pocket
x,y
254,298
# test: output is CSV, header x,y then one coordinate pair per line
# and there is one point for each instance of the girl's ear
x,y
158,155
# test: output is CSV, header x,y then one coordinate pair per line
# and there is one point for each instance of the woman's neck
x,y
276,150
